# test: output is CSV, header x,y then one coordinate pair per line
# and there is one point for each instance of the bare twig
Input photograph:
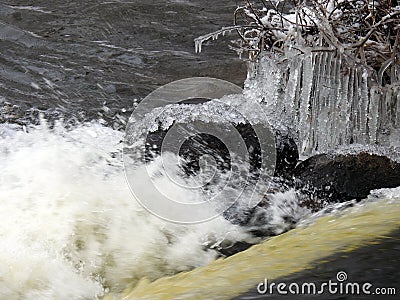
x,y
362,32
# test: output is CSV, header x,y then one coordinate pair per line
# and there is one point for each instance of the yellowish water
x,y
279,256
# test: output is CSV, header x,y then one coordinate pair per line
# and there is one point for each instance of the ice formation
x,y
326,101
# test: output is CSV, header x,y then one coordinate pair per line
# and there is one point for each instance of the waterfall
x,y
326,100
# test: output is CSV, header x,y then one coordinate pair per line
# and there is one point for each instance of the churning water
x,y
70,226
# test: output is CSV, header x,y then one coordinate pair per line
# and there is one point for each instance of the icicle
x,y
305,105
327,101
198,42
397,107
337,113
385,127
395,136
373,114
364,103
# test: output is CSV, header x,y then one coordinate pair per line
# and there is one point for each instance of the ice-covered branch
x,y
362,31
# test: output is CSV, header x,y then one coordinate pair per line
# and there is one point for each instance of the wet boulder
x,y
287,154
279,211
234,248
194,147
342,177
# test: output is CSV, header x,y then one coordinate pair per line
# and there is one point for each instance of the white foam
x,y
70,227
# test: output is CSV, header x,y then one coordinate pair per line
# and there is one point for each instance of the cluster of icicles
x,y
326,101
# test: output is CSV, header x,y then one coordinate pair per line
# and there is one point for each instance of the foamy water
x,y
70,227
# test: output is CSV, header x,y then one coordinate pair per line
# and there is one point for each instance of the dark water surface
x,y
91,59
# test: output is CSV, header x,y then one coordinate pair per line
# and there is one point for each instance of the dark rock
x,y
278,212
255,218
339,178
235,248
287,155
194,147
